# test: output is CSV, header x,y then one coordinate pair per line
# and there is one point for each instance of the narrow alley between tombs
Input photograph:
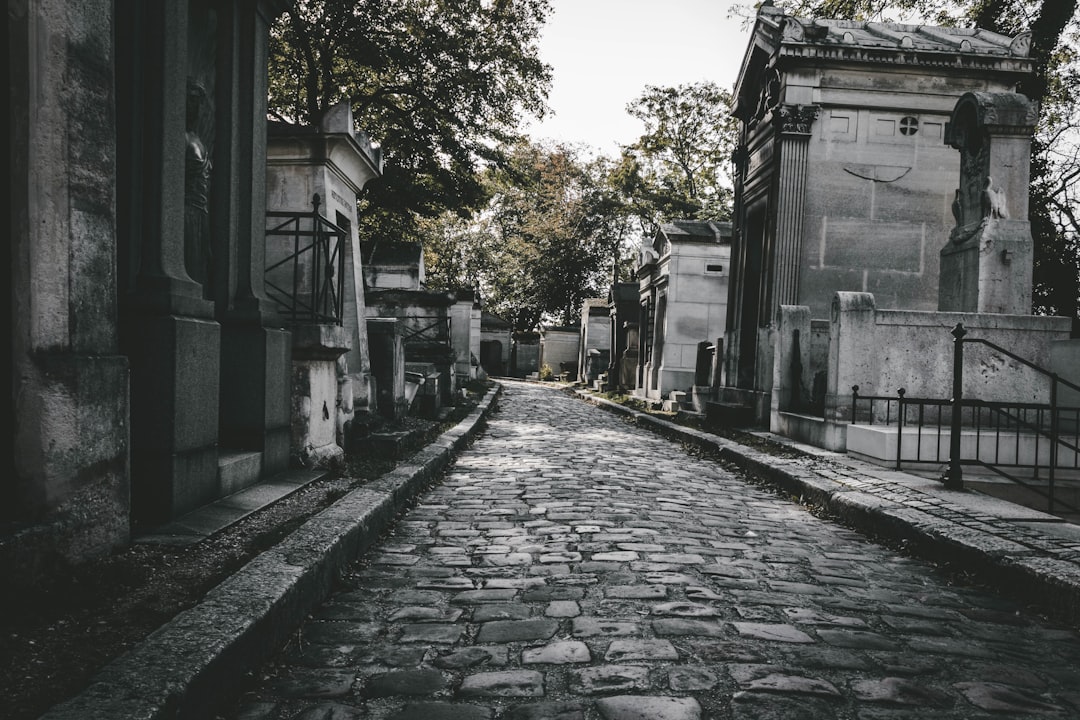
x,y
573,565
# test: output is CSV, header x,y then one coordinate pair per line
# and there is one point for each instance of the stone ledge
x,y
1052,583
184,667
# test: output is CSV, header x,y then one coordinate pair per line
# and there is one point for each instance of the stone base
x,y
989,271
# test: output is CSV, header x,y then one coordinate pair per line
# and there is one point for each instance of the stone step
x,y
727,414
238,469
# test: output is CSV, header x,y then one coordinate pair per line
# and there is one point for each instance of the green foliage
x,y
442,85
546,373
550,237
679,168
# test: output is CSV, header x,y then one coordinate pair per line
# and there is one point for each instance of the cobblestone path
x,y
573,566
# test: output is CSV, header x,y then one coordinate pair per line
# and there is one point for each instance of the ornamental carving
x,y
796,119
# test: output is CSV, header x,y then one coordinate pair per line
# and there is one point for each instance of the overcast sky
x,y
604,53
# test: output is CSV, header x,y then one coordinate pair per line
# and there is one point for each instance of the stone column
x,y
793,124
853,351
255,351
986,266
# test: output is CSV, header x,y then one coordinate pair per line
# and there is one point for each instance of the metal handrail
x,y
317,265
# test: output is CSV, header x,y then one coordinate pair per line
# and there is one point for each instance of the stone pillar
x,y
794,125
986,266
168,328
853,350
255,352
65,485
316,398
792,374
387,366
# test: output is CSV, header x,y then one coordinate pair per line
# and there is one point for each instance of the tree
x,y
1054,85
680,166
550,237
442,84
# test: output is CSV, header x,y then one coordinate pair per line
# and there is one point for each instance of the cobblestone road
x,y
573,566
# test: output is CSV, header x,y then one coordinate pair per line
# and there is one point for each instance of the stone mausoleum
x,y
845,180
682,290
150,371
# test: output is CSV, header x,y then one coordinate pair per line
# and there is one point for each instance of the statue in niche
x,y
958,209
993,201
198,254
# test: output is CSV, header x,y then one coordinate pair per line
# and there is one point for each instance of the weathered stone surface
x,y
645,649
471,657
636,592
497,595
405,682
643,707
557,653
901,691
792,685
431,633
321,683
691,679
442,711
562,609
487,613
326,711
774,632
685,609
507,683
610,678
682,626
599,627
546,711
998,698
424,614
503,631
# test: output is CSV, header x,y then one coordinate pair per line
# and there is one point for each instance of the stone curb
x,y
1016,569
184,667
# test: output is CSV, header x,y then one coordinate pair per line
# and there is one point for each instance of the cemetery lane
x,y
573,565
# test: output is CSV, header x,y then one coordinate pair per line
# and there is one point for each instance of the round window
x,y
909,125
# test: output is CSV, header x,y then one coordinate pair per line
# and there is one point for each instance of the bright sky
x,y
604,53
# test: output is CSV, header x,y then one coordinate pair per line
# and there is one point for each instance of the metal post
x,y
855,399
1054,430
954,476
900,425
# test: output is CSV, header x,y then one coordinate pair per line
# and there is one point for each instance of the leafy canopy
x,y
442,84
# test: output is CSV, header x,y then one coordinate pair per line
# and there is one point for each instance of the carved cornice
x,y
795,119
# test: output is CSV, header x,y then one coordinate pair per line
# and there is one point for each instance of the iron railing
x,y
304,278
426,328
1002,437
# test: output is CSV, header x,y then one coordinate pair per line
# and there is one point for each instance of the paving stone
x,y
310,683
685,609
683,626
418,613
487,613
503,631
792,685
431,633
856,639
405,682
546,711
340,632
562,609
609,678
442,711
640,649
766,706
688,678
325,711
997,698
486,595
549,593
677,558
506,683
636,592
471,657
901,691
601,627
557,653
643,707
